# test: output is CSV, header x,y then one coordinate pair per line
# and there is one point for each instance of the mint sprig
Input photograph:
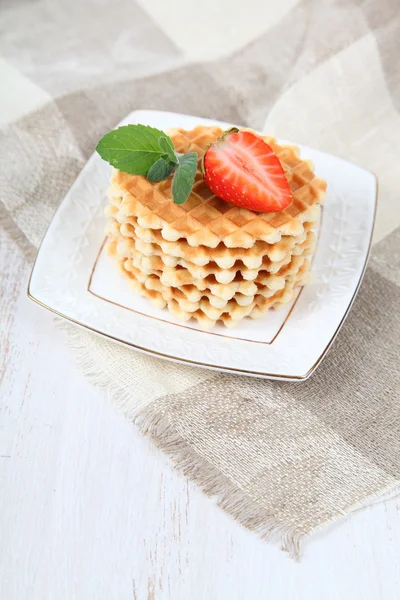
x,y
143,150
184,175
132,148
160,170
167,146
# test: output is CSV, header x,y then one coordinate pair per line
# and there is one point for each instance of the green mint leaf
x,y
132,148
167,146
183,179
160,170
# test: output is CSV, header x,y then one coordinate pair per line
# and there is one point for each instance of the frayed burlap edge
x,y
234,501
229,497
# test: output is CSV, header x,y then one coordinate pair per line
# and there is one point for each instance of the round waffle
x,y
150,242
204,219
202,277
207,259
206,313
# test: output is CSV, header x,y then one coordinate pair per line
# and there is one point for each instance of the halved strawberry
x,y
242,169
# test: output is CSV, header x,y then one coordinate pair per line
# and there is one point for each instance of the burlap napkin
x,y
283,459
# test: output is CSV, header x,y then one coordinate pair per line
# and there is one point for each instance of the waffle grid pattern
x,y
205,219
207,259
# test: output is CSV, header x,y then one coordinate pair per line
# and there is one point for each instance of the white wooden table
x,y
90,510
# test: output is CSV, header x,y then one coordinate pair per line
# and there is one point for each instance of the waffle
x,y
243,292
150,242
206,220
231,313
192,290
207,259
186,273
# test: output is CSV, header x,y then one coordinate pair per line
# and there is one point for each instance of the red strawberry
x,y
242,169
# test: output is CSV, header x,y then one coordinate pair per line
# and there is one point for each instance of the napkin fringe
x,y
246,510
125,403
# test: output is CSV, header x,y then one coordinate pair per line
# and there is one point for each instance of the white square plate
x,y
75,278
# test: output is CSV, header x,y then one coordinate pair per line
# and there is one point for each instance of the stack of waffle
x,y
207,259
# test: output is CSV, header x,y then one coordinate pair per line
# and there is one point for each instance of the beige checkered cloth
x,y
283,458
